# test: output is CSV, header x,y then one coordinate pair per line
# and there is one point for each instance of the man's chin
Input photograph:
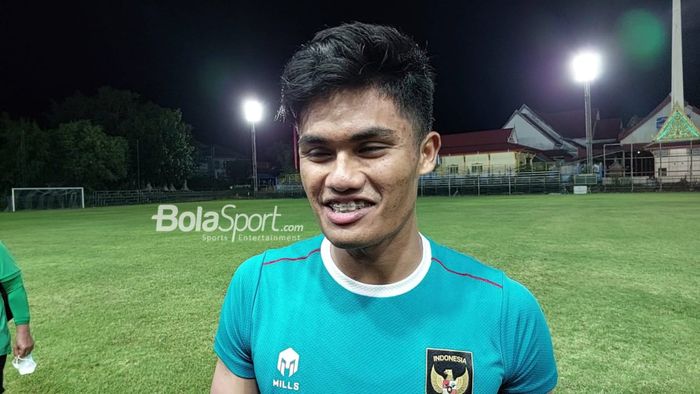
x,y
347,239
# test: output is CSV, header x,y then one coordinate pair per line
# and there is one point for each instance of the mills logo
x,y
288,360
287,365
449,372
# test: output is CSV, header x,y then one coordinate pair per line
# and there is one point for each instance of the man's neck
x,y
389,261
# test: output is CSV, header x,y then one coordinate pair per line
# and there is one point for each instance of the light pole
x,y
252,110
586,67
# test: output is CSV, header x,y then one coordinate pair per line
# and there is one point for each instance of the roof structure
x,y
653,146
608,129
568,124
649,128
566,130
561,135
535,120
554,154
572,124
485,141
650,115
678,127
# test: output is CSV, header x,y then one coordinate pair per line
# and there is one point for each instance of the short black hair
x,y
360,56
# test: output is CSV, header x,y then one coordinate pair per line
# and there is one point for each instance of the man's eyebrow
x,y
373,132
312,140
370,133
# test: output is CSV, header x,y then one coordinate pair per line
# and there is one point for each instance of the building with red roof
x,y
562,135
488,151
645,130
672,160
531,138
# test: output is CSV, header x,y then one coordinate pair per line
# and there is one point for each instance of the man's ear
x,y
429,148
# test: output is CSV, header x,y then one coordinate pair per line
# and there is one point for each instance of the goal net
x,y
47,198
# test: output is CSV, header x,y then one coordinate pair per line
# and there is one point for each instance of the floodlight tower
x,y
585,67
253,110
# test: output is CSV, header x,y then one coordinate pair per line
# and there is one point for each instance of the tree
x,y
178,157
279,153
110,108
159,141
24,153
84,155
238,172
165,144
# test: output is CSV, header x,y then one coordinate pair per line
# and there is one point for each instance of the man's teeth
x,y
348,207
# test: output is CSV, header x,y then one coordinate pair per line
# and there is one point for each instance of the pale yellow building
x,y
493,152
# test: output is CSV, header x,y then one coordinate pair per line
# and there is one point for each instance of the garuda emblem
x,y
449,372
448,384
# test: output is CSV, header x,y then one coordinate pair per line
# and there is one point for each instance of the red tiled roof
x,y
568,124
572,124
479,141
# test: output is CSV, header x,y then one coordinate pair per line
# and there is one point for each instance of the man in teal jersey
x,y
16,297
373,305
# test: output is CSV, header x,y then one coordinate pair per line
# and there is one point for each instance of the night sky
x,y
204,57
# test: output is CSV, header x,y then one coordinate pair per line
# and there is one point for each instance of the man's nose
x,y
346,174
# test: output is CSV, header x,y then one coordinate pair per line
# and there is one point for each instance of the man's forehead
x,y
321,137
347,113
346,102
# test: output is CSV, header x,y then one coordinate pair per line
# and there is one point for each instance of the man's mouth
x,y
346,212
349,206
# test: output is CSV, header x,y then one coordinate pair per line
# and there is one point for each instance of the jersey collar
x,y
380,291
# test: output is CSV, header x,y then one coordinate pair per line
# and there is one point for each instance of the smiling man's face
x,y
360,164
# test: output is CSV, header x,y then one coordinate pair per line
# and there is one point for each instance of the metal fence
x,y
646,184
542,182
288,185
519,183
664,168
535,182
130,197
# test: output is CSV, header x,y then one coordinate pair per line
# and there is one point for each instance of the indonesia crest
x,y
449,372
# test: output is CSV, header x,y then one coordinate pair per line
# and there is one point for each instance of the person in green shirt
x,y
16,298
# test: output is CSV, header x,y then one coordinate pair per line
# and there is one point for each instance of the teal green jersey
x,y
296,323
8,271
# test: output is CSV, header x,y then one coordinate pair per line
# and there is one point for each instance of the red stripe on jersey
x,y
467,275
292,258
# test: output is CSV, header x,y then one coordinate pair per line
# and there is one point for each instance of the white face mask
x,y
24,365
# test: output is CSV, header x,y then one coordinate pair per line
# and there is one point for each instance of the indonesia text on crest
x,y
449,371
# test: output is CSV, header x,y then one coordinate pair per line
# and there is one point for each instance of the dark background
x,y
204,57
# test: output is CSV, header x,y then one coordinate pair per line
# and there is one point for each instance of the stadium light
x,y
585,67
253,112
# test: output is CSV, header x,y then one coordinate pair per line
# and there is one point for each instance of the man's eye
x,y
318,154
372,149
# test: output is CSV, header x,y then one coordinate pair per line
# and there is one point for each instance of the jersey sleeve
x,y
17,298
8,268
527,345
232,341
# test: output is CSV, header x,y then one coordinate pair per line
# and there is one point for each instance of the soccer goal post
x,y
47,197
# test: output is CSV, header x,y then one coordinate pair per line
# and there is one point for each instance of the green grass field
x,y
117,307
